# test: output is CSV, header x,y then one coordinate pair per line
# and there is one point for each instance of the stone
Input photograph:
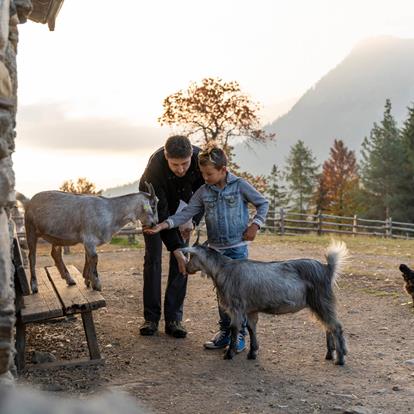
x,y
357,410
42,357
4,24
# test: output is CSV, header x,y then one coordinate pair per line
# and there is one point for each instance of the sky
x,y
91,91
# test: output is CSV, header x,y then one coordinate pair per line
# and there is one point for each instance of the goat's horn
x,y
150,188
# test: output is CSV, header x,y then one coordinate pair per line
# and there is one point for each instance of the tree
x,y
301,175
214,110
339,182
275,189
382,158
404,201
82,186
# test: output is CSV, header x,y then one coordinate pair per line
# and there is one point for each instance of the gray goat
x,y
65,219
247,287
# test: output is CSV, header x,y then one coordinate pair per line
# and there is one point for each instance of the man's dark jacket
x,y
170,189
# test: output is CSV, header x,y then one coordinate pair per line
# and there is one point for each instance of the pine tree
x,y
382,158
405,198
301,175
338,184
275,189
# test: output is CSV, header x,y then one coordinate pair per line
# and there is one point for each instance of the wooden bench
x,y
55,299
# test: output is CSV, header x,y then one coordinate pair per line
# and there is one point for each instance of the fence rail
x,y
285,222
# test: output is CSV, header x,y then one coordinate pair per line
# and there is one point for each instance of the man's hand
x,y
181,260
250,232
156,229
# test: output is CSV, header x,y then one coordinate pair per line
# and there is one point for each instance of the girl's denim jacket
x,y
226,212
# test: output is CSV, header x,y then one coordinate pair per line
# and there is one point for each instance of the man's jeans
x,y
176,285
240,252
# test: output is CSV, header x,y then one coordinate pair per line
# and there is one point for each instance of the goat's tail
x,y
336,255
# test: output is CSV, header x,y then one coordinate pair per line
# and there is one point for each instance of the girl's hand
x,y
156,229
250,232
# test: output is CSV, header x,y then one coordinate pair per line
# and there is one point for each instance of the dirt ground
x,y
290,375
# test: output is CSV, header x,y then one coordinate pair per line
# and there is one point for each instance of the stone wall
x,y
12,12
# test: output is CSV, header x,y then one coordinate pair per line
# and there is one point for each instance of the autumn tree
x,y
339,182
301,174
82,186
214,110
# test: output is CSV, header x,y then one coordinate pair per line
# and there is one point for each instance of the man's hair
x,y
178,146
214,156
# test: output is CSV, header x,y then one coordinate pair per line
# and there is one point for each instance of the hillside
x,y
343,104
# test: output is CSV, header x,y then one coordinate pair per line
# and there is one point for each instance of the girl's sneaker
x,y
220,340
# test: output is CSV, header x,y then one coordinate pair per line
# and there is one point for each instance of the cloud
x,y
51,126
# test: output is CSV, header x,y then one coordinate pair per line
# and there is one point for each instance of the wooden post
x,y
90,334
319,223
282,221
389,226
354,226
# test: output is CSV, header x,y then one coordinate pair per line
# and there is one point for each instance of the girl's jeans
x,y
240,252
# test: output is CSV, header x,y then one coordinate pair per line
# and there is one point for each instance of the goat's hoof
x,y
228,355
71,282
34,290
329,356
340,361
97,287
252,355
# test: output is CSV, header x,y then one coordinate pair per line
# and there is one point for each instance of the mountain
x,y
344,104
121,190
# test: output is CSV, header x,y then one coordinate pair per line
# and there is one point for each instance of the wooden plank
x,y
76,298
94,297
44,304
20,272
65,364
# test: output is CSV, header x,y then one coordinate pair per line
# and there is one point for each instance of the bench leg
x,y
90,333
20,344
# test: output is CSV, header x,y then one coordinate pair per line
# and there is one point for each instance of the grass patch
x,y
123,241
362,244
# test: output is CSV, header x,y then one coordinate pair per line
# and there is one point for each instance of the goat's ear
x,y
404,268
187,250
197,242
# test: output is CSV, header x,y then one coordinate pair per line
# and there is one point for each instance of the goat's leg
x,y
252,319
64,272
86,271
327,315
330,345
32,245
235,327
90,250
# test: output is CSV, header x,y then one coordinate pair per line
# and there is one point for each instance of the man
x,y
175,175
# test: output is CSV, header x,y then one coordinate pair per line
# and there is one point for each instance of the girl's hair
x,y
212,155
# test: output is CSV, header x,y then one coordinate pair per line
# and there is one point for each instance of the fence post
x,y
388,227
354,225
282,221
319,223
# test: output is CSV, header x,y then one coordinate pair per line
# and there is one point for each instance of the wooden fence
x,y
286,222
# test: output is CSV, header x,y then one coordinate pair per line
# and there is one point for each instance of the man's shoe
x,y
175,329
148,328
221,340
241,343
